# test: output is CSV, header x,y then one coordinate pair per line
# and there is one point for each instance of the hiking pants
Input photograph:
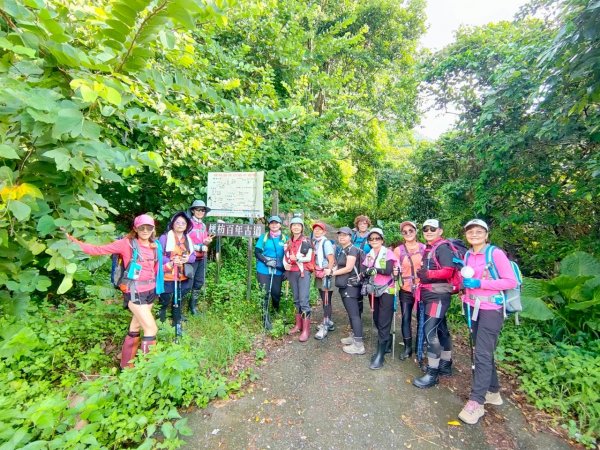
x,y
383,313
264,281
300,290
407,301
353,309
436,329
199,272
486,330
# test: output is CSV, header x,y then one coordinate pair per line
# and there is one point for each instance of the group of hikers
x,y
417,276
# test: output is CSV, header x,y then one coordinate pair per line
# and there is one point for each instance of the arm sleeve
x,y
121,247
389,267
506,277
258,252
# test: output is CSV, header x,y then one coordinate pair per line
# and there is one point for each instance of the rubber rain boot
x,y
130,348
148,342
407,353
194,303
390,342
298,327
445,368
305,329
379,359
428,380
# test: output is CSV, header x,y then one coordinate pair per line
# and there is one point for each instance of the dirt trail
x,y
314,396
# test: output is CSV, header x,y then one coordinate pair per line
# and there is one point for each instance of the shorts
x,y
141,298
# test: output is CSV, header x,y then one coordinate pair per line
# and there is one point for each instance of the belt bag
x,y
371,288
479,299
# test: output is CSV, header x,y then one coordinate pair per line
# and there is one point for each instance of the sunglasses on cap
x,y
428,229
409,231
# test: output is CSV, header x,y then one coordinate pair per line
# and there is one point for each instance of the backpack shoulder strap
x,y
135,249
489,261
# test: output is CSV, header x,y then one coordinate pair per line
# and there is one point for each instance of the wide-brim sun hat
x,y
375,230
478,223
345,230
143,219
199,204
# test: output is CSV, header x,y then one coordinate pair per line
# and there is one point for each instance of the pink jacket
x,y
122,247
198,233
489,286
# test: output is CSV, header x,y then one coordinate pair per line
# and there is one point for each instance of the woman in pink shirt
x,y
482,303
140,291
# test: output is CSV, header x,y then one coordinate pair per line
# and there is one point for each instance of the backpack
x,y
459,250
122,277
361,248
312,264
511,297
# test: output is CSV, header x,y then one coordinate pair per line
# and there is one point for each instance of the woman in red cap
x,y
410,257
323,267
143,279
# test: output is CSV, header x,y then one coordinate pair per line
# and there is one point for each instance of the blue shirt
x,y
271,248
361,242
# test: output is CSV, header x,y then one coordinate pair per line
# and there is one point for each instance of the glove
x,y
422,273
472,283
371,271
458,261
271,263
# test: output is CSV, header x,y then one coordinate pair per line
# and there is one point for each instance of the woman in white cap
x,y
378,266
410,258
324,260
483,307
347,279
298,251
143,279
201,240
269,264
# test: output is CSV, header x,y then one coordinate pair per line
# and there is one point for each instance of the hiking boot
x,y
322,332
356,348
298,327
348,340
428,380
472,412
379,358
407,353
305,329
330,325
493,398
445,368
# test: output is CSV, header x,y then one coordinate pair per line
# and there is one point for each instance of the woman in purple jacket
x,y
483,306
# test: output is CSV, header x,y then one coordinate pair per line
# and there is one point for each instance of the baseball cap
x,y
476,222
320,225
432,223
408,222
143,219
345,230
275,219
375,230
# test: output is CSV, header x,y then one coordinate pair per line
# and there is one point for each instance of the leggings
x,y
407,301
352,306
199,271
264,281
383,312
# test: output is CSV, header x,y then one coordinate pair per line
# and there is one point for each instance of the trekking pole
x,y
176,302
394,317
267,322
372,304
470,326
420,326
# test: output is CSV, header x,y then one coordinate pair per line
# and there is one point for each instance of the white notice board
x,y
235,194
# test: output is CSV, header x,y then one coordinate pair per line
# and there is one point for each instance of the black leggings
x,y
407,301
352,306
264,282
383,313
437,334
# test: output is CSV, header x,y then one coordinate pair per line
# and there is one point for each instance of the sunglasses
x,y
375,239
410,231
199,209
145,228
428,229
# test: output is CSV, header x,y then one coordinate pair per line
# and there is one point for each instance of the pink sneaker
x,y
472,412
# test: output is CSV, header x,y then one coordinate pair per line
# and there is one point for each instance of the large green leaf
x,y
20,210
536,309
580,263
70,121
7,152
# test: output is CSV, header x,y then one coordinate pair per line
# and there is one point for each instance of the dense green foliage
x,y
62,388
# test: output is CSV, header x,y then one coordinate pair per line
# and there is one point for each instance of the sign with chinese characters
x,y
235,194
236,229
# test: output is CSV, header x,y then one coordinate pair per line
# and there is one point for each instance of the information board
x,y
235,194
